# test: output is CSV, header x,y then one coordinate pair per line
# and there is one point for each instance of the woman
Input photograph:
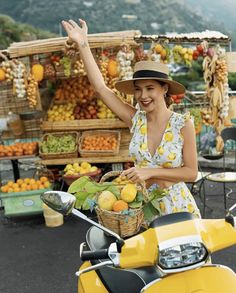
x,y
163,145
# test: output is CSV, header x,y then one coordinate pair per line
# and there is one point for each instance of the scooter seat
x,y
171,219
119,280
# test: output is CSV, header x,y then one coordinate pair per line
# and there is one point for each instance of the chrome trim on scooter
x,y
81,248
185,268
84,217
94,267
179,241
149,285
219,266
114,255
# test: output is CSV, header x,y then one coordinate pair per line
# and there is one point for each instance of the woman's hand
x,y
75,32
137,175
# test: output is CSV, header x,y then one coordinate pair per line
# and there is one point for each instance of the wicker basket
x,y
123,225
99,153
73,154
69,179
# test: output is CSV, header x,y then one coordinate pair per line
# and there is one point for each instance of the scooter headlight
x,y
182,255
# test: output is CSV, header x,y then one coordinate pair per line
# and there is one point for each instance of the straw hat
x,y
150,70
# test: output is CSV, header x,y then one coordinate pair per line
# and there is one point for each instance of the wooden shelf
x,y
17,157
85,124
123,156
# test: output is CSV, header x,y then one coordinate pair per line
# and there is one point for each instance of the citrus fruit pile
x,y
110,202
26,184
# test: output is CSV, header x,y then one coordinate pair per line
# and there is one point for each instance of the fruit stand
x,y
51,80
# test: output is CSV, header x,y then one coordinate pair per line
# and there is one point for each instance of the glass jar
x,y
15,124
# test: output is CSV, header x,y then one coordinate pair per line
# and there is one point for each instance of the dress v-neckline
x,y
146,136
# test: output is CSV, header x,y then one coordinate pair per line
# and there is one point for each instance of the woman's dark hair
x,y
168,98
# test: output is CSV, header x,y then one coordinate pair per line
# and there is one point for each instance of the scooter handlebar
x,y
98,254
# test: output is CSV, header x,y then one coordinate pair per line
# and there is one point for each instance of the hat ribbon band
x,y
149,74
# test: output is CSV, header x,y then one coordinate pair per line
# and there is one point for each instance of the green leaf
x,y
157,193
135,204
150,213
90,187
139,196
86,204
114,190
78,184
156,204
80,198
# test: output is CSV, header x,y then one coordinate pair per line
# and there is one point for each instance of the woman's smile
x,y
145,102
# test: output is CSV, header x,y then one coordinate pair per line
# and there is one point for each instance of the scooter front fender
x,y
90,281
207,279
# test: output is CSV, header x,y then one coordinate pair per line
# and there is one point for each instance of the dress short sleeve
x,y
180,120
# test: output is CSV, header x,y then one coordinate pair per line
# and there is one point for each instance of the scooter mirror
x,y
60,201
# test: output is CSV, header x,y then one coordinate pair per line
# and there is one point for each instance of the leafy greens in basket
x,y
85,191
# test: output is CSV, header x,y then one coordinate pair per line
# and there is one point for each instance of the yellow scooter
x,y
172,255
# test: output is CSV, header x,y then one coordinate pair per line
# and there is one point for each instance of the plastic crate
x,y
22,203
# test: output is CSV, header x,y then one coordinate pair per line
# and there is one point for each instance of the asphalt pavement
x,y
38,259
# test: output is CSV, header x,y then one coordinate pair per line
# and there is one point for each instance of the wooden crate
x,y
72,154
99,153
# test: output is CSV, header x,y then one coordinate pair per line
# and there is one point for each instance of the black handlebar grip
x,y
97,254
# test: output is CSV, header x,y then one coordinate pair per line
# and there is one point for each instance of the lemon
x,y
167,165
85,165
140,121
93,169
168,136
171,156
106,200
183,193
128,193
190,208
68,167
160,150
75,165
143,129
143,146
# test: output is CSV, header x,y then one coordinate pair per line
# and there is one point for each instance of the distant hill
x,y
12,31
149,16
221,12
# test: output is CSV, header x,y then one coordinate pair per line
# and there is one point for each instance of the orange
x,y
112,68
23,185
16,189
120,205
158,48
41,186
19,181
43,179
163,53
2,74
28,187
34,186
38,182
15,185
32,181
10,183
4,188
27,180
46,184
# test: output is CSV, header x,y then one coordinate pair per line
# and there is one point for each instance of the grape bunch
x,y
66,63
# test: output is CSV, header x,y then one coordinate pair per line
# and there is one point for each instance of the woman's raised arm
x,y
79,34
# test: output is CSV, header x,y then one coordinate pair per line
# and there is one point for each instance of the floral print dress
x,y
167,155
